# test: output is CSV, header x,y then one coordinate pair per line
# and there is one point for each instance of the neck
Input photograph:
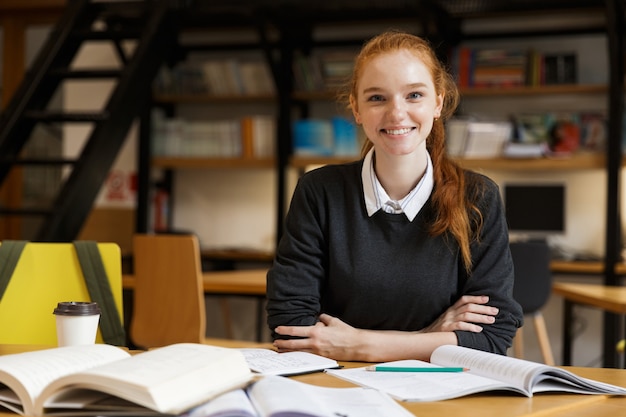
x,y
400,174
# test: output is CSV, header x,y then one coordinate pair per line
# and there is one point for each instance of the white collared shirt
x,y
376,198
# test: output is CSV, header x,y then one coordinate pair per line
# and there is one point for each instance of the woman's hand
x,y
329,337
468,313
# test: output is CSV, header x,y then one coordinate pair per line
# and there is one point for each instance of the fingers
x,y
471,299
469,313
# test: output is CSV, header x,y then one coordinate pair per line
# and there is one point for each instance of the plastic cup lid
x,y
77,308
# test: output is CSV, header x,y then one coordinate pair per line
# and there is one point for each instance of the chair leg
x,y
518,344
544,341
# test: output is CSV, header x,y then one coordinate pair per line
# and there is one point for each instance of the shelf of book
x,y
485,91
582,160
534,90
211,98
203,163
481,91
306,161
325,95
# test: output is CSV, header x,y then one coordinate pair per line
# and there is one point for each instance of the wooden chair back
x,y
168,295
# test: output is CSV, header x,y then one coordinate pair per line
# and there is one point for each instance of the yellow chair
x,y
45,274
168,296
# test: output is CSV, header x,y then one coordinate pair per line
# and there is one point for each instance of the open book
x,y
104,379
277,396
270,362
486,372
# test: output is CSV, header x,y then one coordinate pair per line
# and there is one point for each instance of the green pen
x,y
379,368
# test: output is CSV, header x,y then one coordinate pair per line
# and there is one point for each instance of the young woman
x,y
392,256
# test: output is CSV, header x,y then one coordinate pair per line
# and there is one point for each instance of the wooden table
x,y
608,298
512,405
481,405
243,282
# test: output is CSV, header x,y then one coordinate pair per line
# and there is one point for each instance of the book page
x,y
530,376
419,386
27,374
280,396
169,379
270,362
513,371
234,403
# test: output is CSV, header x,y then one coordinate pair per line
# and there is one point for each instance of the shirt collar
x,y
376,197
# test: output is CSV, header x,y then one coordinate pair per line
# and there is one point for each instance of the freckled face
x,y
396,103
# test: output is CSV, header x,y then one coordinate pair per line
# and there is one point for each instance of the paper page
x,y
269,362
232,404
170,379
35,370
275,395
419,386
9,400
531,376
512,371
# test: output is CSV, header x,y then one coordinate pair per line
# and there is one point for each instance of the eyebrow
x,y
377,89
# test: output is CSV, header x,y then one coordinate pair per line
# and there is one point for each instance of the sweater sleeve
x,y
493,275
296,276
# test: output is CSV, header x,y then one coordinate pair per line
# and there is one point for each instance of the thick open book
x,y
270,362
278,396
486,372
104,379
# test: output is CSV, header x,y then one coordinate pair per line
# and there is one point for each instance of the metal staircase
x,y
142,34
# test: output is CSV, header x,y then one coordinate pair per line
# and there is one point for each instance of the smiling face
x,y
396,103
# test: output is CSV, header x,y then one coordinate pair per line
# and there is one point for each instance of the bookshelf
x,y
281,44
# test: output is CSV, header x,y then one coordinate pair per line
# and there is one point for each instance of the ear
x,y
439,106
355,110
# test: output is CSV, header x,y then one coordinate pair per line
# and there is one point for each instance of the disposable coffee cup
x,y
76,322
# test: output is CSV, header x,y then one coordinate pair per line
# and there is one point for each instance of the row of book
x,y
322,72
247,137
219,77
527,135
474,67
325,137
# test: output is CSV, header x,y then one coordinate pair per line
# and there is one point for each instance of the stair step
x,y
86,74
25,212
45,161
107,35
49,117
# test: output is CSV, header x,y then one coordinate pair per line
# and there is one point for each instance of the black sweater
x,y
385,272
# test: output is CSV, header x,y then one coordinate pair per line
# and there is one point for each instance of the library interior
x,y
194,121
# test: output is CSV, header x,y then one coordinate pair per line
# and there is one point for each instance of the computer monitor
x,y
535,210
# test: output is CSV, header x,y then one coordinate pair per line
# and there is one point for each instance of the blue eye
x,y
414,96
375,97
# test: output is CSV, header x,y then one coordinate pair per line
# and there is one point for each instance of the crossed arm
x,y
333,338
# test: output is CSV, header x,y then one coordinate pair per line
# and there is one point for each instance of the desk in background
x,y
480,405
244,282
610,299
558,266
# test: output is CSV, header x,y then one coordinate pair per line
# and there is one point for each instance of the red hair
x,y
452,206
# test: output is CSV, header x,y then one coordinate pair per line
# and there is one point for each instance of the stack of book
x,y
186,379
502,67
528,135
